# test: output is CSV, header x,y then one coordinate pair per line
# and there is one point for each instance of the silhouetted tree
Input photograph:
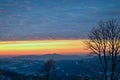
x,y
79,78
104,41
49,69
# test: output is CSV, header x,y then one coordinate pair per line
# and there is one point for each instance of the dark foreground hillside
x,y
62,68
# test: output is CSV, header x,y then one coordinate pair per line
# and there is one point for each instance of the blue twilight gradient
x,y
53,19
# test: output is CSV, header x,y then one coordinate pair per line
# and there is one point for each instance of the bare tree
x,y
104,41
49,68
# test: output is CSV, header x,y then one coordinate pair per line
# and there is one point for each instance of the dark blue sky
x,y
53,19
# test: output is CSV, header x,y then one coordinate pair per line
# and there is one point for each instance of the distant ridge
x,y
53,56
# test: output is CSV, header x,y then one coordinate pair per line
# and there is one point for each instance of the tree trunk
x,y
113,72
105,74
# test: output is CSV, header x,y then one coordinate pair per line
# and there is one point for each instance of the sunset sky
x,y
50,26
43,47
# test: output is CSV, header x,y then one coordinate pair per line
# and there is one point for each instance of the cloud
x,y
52,19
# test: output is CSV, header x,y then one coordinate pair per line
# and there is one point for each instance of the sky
x,y
41,47
56,20
53,19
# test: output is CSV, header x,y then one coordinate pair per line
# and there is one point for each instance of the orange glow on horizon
x,y
42,47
